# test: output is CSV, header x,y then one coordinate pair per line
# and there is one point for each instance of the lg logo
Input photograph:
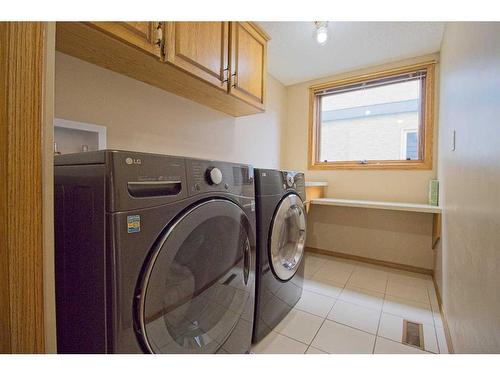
x,y
131,161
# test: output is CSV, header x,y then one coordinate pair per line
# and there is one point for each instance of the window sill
x,y
396,165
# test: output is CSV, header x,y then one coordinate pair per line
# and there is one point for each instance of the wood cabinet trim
x,y
128,34
234,88
175,56
149,33
21,239
259,30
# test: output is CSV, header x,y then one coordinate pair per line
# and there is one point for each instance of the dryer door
x,y
196,291
287,237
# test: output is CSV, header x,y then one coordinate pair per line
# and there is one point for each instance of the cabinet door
x,y
140,34
248,63
200,48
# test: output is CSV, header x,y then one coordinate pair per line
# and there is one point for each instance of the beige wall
x,y
470,184
398,237
409,186
140,117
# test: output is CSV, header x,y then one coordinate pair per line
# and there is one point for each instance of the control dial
x,y
289,179
214,176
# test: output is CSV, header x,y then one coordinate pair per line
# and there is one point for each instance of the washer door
x,y
287,237
197,285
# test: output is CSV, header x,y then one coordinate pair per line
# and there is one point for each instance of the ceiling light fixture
x,y
321,32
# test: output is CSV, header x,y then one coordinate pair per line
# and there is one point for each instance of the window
x,y
377,121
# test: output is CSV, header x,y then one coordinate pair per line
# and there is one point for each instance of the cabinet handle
x,y
225,73
235,79
158,34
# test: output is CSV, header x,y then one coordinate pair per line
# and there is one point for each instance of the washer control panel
x,y
209,176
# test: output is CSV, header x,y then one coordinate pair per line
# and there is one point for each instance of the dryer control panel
x,y
276,182
205,176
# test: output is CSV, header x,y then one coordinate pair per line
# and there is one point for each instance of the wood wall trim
x,y
21,246
399,266
4,264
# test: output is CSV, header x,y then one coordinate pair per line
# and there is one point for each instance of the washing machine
x,y
154,254
281,236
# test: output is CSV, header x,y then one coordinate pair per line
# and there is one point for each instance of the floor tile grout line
x,y
435,329
402,317
380,316
397,342
348,326
325,319
333,320
316,334
319,294
409,300
305,312
316,315
319,316
291,338
331,308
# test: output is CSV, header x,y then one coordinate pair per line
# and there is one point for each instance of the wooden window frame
x,y
426,128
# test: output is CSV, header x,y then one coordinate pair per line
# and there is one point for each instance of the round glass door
x,y
288,237
197,284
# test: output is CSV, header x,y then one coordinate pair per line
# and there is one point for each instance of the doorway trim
x,y
22,47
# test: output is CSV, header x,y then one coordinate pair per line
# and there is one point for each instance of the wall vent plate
x,y
413,334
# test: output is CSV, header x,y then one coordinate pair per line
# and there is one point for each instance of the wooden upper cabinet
x,y
200,48
140,34
248,63
218,64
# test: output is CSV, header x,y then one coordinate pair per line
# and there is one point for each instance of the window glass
x,y
371,121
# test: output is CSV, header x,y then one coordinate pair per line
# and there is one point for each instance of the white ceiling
x,y
295,56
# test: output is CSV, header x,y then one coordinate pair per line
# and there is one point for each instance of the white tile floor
x,y
354,307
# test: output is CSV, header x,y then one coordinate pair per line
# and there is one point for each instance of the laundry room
x,y
270,187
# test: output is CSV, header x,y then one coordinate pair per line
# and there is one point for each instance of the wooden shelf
x,y
395,206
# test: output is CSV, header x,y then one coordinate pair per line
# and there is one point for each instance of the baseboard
x,y
444,319
399,266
